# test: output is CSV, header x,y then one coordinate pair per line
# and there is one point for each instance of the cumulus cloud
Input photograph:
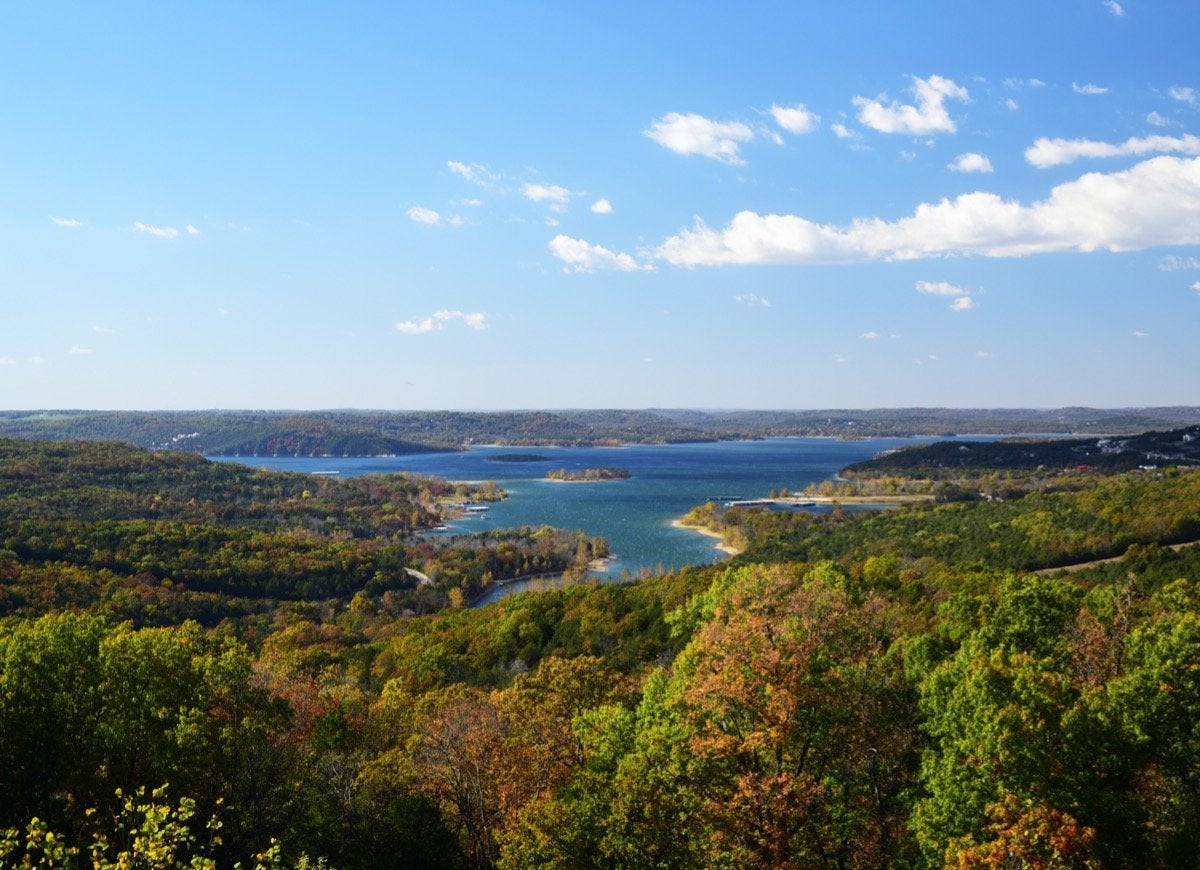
x,y
602,206
1088,89
962,303
581,256
844,132
970,162
438,321
695,134
157,232
1115,8
1153,203
70,223
1056,152
929,115
552,193
422,215
1184,95
940,288
795,119
751,299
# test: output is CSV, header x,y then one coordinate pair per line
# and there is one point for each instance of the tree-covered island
x,y
586,475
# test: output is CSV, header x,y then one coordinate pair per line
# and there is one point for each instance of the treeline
x,y
368,433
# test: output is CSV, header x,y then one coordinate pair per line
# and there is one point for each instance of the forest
x,y
204,665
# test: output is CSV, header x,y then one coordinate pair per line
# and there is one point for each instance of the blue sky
x,y
550,205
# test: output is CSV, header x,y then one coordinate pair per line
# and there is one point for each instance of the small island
x,y
588,475
518,457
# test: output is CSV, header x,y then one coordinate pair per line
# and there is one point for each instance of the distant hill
x,y
1148,449
370,433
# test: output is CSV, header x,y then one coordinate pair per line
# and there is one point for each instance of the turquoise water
x,y
635,514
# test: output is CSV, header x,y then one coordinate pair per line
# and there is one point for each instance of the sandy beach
x,y
710,533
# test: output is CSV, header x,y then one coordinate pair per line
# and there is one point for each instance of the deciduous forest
x,y
205,665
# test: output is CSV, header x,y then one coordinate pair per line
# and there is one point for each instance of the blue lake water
x,y
635,515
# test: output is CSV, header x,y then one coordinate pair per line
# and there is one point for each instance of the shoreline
x,y
708,533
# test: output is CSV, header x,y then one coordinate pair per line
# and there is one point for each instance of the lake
x,y
634,514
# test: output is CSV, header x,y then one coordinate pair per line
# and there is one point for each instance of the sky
x,y
519,205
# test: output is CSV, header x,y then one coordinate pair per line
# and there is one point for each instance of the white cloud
x,y
551,222
1137,333
970,162
929,115
1011,104
7,361
473,172
982,354
79,351
940,288
583,256
102,330
1115,8
844,132
438,320
36,360
192,231
1154,119
695,134
752,299
1171,263
423,215
1150,204
1088,89
456,220
157,232
551,193
838,358
70,223
1056,152
602,206
1196,286
962,303
870,336
472,203
795,119
1184,95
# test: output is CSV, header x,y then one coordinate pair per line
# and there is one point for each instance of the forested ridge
x,y
874,689
372,433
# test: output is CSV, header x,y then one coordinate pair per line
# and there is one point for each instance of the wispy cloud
x,y
1154,119
795,119
7,361
1115,8
440,319
960,296
1011,104
476,173
696,134
1150,204
1088,89
69,223
422,215
870,336
1184,95
1196,286
1137,333
602,206
1057,152
581,256
79,351
192,231
970,162
752,299
929,115
102,330
844,132
557,196
1172,263
157,232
